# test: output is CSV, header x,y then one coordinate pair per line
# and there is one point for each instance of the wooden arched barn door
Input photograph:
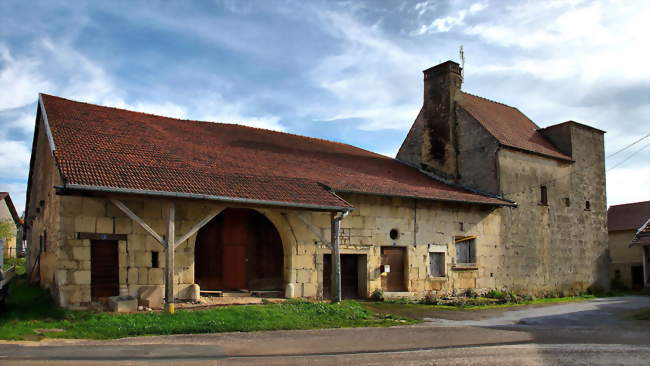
x,y
239,249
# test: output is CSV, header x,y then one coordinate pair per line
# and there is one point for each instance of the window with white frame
x,y
465,250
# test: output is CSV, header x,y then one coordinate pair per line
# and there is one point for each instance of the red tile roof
x,y
509,126
629,216
110,147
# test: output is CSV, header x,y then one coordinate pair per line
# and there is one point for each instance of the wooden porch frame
x,y
168,245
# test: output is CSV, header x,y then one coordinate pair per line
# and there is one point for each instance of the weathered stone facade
x,y
536,247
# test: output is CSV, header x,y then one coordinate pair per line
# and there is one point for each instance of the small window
x,y
465,250
437,264
394,234
567,202
45,241
461,226
587,205
155,263
543,196
40,243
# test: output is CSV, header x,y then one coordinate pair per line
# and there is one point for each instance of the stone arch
x,y
240,248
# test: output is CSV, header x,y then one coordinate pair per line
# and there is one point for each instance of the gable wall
x,y
555,247
43,218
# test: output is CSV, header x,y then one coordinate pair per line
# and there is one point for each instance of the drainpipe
x,y
336,255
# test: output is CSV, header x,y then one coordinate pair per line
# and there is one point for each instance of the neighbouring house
x,y
9,224
479,197
628,244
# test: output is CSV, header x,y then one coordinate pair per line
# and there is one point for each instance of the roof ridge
x,y
628,204
489,100
221,123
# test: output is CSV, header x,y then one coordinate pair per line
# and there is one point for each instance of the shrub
x,y
377,295
430,299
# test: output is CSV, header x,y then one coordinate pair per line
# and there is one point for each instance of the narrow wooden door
x,y
349,276
104,269
235,241
393,281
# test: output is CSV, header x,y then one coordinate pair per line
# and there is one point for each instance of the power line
x,y
628,146
629,157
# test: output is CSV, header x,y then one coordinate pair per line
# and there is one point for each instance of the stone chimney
x,y
431,142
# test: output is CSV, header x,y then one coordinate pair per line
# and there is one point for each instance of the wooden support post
x,y
336,258
169,277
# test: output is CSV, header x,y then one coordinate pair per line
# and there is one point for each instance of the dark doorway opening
x,y
239,249
104,269
353,268
393,257
637,277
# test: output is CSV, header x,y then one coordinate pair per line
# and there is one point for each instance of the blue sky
x,y
348,71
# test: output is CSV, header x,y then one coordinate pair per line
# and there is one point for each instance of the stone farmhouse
x,y
629,240
479,197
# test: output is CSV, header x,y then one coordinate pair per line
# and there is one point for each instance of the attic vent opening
x,y
394,234
587,205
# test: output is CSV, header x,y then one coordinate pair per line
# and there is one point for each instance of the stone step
x,y
211,293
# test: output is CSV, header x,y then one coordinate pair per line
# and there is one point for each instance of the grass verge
x,y
30,311
419,311
18,262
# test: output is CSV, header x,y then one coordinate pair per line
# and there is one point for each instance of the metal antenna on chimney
x,y
462,63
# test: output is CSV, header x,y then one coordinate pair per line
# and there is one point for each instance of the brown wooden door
x,y
393,281
208,255
235,241
349,276
104,269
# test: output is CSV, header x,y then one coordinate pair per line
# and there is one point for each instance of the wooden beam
x,y
137,219
198,226
314,230
336,258
169,278
97,236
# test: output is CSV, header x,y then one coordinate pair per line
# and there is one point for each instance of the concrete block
x,y
195,292
151,296
121,304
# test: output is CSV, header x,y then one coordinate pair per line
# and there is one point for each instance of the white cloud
x,y
19,77
14,159
17,191
371,78
446,23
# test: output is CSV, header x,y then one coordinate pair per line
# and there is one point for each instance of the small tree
x,y
7,229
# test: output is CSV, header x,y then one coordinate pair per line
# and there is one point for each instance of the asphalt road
x,y
585,333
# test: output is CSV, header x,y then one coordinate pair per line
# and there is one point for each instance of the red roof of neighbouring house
x,y
12,209
509,126
110,147
629,216
642,237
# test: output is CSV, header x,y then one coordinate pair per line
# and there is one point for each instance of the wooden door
x,y
104,269
235,241
208,254
393,281
349,276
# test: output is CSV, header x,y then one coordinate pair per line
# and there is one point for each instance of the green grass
x,y
29,309
418,311
18,262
